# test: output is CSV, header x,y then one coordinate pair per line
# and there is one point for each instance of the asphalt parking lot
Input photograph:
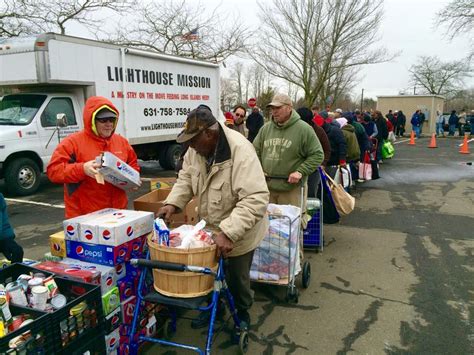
x,y
395,276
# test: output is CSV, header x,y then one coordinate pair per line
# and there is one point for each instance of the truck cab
x,y
29,133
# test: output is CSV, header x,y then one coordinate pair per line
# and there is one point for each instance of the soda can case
x,y
57,244
113,320
128,306
97,254
136,247
117,172
108,274
112,341
127,288
116,228
111,300
72,226
70,272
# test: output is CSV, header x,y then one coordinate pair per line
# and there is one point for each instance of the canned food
x,y
39,275
58,301
16,293
23,279
35,281
78,309
16,323
39,297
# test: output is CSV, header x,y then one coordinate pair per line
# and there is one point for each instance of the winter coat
x,y
82,194
353,150
284,149
254,123
338,144
453,119
6,230
233,196
324,140
382,128
371,129
415,120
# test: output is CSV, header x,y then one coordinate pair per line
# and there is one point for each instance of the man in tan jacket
x,y
223,170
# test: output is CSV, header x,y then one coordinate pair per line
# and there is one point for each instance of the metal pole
x,y
361,100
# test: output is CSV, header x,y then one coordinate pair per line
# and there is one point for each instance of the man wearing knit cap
x,y
288,150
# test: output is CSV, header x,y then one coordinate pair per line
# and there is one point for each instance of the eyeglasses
x,y
106,119
239,115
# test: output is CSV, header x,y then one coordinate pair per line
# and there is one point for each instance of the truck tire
x,y
169,159
22,177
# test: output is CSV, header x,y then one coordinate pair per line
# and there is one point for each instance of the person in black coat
x,y
254,123
382,128
338,144
401,120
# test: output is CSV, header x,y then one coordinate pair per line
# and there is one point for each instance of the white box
x,y
116,228
72,228
117,172
108,274
112,341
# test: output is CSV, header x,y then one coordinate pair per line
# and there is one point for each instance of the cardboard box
x,y
117,172
153,201
128,306
57,244
97,254
116,228
72,226
162,183
112,341
110,301
113,320
71,272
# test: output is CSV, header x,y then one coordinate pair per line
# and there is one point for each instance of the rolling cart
x,y
240,335
278,258
313,236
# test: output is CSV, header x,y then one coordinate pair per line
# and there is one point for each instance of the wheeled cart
x,y
313,236
279,257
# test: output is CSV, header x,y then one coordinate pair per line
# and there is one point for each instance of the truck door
x,y
48,124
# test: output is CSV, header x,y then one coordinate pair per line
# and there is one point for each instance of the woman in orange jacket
x,y
73,162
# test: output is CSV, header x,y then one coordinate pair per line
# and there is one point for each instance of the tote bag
x,y
343,201
343,176
365,168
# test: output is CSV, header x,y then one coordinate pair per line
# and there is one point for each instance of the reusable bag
x,y
343,176
365,168
343,201
387,150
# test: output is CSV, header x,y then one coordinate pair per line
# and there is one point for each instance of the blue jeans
x,y
452,129
439,129
416,129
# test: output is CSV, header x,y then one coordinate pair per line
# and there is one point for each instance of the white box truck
x,y
51,74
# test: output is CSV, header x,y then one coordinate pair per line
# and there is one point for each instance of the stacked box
x,y
57,244
117,172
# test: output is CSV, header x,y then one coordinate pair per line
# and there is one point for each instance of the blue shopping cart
x,y
313,236
240,334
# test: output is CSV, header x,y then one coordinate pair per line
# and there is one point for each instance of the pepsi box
x,y
136,246
57,244
128,307
117,172
108,275
127,288
121,270
97,254
72,226
113,320
69,272
112,341
116,228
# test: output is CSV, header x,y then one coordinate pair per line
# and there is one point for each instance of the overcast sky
x,y
408,27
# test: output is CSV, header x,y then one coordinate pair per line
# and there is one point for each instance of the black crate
x,y
77,292
41,339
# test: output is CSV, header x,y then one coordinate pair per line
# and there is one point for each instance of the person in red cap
x,y
73,162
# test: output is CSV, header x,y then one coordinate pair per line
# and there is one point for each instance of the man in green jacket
x,y
287,147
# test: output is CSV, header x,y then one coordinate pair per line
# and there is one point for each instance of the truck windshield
x,y
19,110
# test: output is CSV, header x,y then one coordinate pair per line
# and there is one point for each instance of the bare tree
x,y
307,41
228,96
440,78
34,16
175,27
458,16
238,75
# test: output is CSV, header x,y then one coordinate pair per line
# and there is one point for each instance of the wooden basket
x,y
183,284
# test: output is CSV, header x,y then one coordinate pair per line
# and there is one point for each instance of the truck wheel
x,y
22,177
170,158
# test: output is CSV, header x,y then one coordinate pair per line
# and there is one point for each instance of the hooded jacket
x,y
338,144
233,196
353,150
82,194
284,149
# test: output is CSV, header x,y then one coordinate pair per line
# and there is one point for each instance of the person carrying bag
x,y
343,201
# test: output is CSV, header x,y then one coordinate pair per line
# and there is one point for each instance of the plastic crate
x,y
77,292
41,340
312,233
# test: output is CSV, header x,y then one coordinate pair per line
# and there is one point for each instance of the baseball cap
x,y
106,113
198,120
339,110
280,100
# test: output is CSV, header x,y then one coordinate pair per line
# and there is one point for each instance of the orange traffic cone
x,y
412,138
465,148
433,141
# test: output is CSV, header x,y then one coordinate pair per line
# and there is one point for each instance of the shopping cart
x,y
239,335
313,236
278,258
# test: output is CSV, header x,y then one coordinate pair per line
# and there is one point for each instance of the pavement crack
x,y
394,263
344,282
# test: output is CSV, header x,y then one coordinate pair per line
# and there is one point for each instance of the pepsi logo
x,y
122,252
106,234
109,281
112,342
115,319
143,322
72,269
119,165
129,231
79,250
128,292
129,309
88,234
119,268
117,213
70,230
57,246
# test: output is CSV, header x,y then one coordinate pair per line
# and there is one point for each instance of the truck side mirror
x,y
61,120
